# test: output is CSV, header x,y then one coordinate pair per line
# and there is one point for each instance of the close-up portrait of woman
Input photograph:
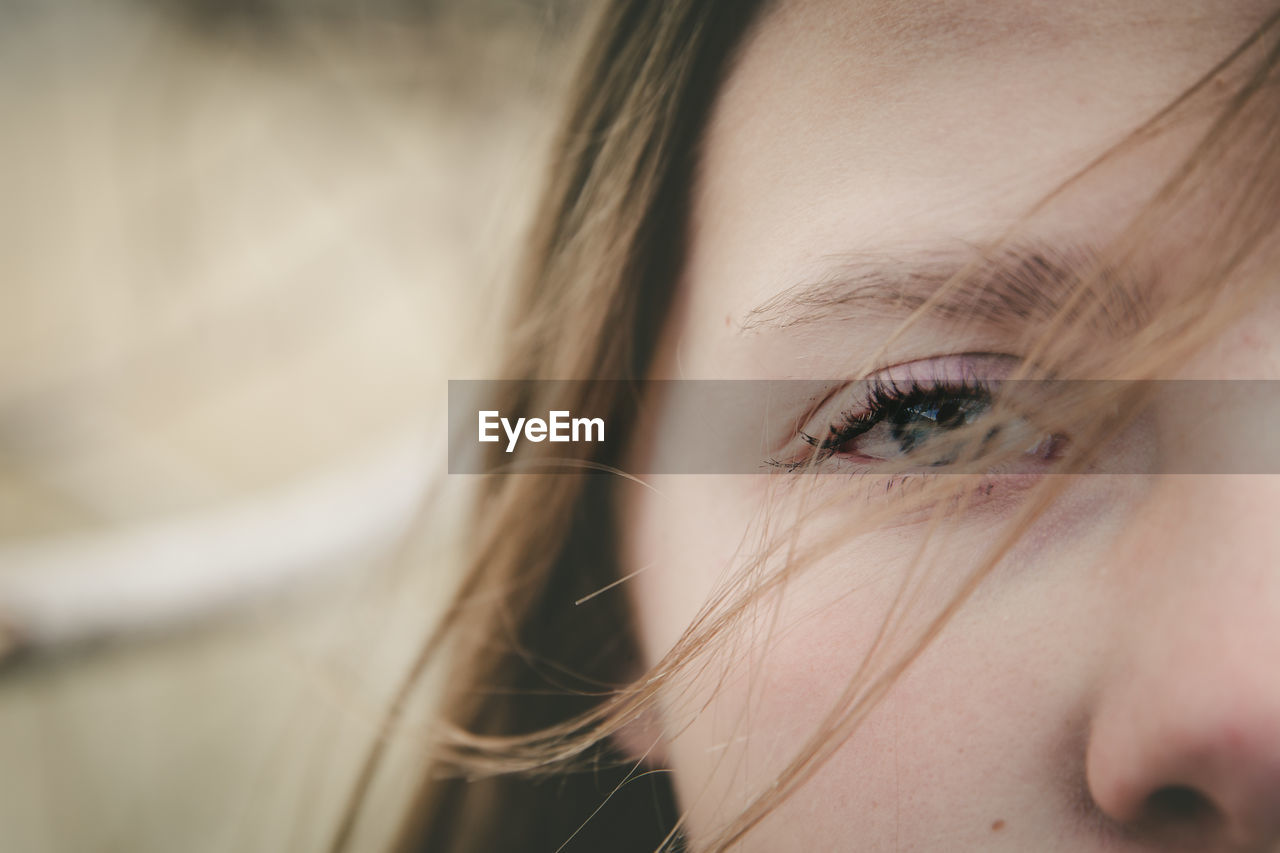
x,y
871,444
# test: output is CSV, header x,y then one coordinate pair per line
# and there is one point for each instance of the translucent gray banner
x,y
865,427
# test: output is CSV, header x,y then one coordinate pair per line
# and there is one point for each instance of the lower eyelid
x,y
976,498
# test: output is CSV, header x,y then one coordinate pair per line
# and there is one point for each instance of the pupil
x,y
950,415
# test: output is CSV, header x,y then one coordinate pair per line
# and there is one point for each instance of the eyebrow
x,y
1016,287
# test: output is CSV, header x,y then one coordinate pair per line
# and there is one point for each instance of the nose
x,y
1184,742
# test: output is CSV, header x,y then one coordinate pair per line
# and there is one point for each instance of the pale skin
x,y
1114,684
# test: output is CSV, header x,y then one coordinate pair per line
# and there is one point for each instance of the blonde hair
x,y
536,686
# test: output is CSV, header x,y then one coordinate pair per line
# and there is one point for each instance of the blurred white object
x,y
152,575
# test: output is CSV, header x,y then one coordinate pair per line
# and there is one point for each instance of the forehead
x,y
887,56
858,126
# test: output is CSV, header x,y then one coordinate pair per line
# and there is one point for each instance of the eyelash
x,y
916,409
885,399
881,399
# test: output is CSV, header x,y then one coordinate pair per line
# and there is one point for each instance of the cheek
x,y
974,734
755,695
681,536
985,720
743,720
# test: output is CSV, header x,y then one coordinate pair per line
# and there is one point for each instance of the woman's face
x,y
1114,684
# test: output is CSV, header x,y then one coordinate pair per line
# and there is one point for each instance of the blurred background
x,y
245,243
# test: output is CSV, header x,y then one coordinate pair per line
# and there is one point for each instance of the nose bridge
x,y
1203,557
1206,550
1218,426
1201,571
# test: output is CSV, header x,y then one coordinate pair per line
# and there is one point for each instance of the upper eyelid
x,y
953,367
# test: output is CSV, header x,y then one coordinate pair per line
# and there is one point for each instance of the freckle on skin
x,y
997,826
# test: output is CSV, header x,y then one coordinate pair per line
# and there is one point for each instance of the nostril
x,y
1180,806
